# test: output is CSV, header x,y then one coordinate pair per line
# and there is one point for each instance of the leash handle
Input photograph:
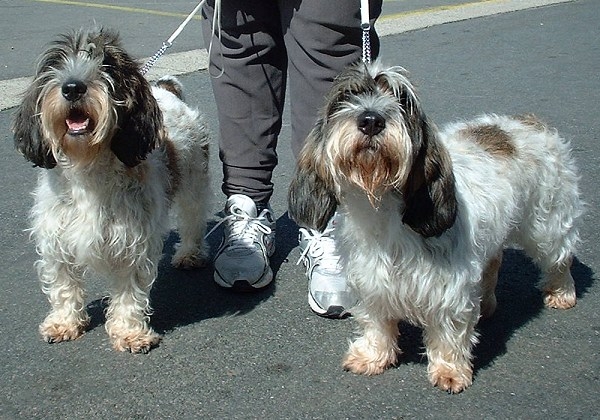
x,y
185,22
365,24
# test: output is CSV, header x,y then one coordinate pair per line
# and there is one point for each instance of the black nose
x,y
371,123
73,89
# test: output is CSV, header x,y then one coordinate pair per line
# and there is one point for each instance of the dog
x,y
426,214
116,153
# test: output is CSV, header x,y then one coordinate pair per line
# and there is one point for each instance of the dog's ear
x,y
140,131
27,130
140,124
311,197
429,193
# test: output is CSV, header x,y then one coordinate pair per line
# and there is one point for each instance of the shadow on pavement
x,y
519,301
183,297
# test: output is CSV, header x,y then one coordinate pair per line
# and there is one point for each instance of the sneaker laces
x,y
321,247
244,230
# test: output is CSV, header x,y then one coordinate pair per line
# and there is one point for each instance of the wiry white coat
x,y
111,219
500,201
436,283
115,154
426,214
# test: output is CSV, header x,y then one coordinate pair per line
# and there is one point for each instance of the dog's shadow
x,y
184,297
181,297
519,301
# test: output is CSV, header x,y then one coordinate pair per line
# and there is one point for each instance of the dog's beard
x,y
77,131
372,163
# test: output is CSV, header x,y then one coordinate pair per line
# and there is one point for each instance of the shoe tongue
x,y
244,203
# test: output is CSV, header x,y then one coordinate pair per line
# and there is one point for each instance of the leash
x,y
167,44
365,24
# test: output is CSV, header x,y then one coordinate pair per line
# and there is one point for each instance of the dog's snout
x,y
73,89
371,123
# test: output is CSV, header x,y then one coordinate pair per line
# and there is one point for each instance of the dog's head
x,y
373,135
87,94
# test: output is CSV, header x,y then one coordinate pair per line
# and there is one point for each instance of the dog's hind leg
x,y
549,234
63,286
559,287
488,285
553,253
376,349
191,202
127,317
191,251
550,241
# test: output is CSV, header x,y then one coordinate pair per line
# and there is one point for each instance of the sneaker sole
x,y
242,285
332,312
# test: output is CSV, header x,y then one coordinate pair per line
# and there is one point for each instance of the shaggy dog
x,y
426,214
116,154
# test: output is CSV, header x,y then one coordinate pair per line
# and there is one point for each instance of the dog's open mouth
x,y
78,123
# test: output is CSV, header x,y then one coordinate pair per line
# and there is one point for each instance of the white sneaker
x,y
242,260
328,293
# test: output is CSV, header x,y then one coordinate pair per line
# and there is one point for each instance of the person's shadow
x,y
183,297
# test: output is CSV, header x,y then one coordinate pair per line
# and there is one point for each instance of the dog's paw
x,y
560,299
59,326
136,342
451,378
55,332
488,306
364,360
189,261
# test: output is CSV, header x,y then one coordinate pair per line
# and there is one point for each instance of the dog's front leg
x,y
376,349
127,316
449,354
63,286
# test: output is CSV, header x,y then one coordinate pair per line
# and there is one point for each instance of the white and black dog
x,y
116,154
426,214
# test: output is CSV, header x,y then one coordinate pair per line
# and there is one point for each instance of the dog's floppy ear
x,y
139,132
27,130
311,197
429,193
140,126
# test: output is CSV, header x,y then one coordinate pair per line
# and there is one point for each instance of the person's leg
x,y
322,38
248,65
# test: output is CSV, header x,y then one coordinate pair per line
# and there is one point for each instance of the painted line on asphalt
x,y
190,61
115,7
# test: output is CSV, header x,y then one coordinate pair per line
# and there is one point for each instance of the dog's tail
x,y
171,84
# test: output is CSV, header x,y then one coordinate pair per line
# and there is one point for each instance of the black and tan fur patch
x,y
492,139
170,85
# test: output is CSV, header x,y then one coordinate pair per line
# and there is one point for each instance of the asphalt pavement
x,y
265,355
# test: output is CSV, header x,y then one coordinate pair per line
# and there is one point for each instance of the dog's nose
x,y
73,89
371,123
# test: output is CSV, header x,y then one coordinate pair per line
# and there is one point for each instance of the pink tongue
x,y
77,125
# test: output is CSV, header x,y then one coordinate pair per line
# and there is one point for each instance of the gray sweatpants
x,y
262,41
